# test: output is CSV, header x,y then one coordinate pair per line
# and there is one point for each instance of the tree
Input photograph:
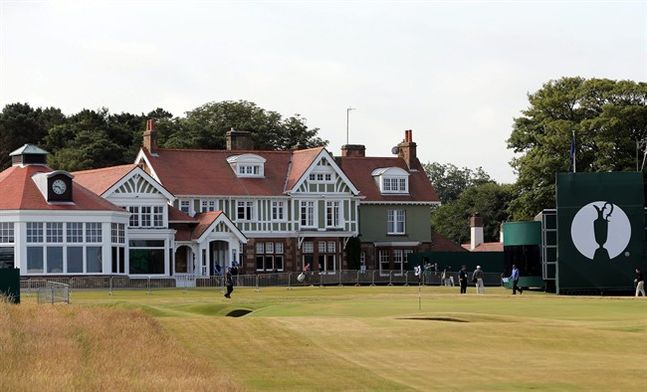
x,y
489,199
95,138
206,126
607,117
20,124
449,181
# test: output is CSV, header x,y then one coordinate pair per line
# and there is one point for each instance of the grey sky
x,y
454,72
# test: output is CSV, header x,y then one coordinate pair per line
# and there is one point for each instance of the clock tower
x,y
59,186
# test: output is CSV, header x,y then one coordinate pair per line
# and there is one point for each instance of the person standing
x,y
640,283
477,277
514,277
462,279
229,282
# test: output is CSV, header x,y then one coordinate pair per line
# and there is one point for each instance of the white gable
x,y
138,184
323,170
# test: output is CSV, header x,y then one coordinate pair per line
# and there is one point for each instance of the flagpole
x,y
574,153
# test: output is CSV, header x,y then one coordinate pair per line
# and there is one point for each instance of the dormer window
x,y
392,180
247,165
249,170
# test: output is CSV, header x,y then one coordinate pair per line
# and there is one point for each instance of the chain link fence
x,y
52,292
284,279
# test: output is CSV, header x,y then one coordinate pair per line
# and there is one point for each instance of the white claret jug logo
x,y
601,231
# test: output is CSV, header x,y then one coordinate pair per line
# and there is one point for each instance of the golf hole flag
x,y
601,230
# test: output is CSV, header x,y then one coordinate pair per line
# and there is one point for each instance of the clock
x,y
59,187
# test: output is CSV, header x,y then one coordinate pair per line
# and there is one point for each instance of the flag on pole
x,y
572,153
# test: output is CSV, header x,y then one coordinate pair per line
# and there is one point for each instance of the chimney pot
x,y
476,231
407,149
353,150
150,137
239,140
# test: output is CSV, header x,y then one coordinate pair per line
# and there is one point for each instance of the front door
x,y
218,252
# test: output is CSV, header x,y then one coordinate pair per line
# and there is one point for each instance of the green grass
x,y
363,338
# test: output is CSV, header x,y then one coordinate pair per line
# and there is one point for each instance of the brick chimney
x,y
476,230
239,140
150,138
407,149
353,150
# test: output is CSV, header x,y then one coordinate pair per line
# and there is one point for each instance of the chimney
x,y
239,140
476,230
353,150
407,149
150,138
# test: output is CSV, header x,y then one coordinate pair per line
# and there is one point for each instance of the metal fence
x,y
284,279
53,292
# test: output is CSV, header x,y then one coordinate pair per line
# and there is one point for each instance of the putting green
x,y
375,338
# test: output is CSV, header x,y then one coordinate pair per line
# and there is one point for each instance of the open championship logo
x,y
601,231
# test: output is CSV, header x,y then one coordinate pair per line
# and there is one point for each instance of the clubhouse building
x,y
191,212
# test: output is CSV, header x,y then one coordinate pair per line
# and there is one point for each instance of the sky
x,y
455,72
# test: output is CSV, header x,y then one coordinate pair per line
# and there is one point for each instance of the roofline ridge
x,y
226,151
103,168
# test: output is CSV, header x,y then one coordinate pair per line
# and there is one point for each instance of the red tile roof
x,y
100,180
175,215
301,161
440,243
207,172
486,247
19,192
205,220
359,170
192,231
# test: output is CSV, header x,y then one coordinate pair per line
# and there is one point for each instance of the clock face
x,y
59,187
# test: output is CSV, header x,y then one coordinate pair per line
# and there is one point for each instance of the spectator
x,y
450,276
514,277
229,282
477,278
640,283
462,279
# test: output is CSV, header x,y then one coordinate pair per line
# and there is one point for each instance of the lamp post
x,y
348,121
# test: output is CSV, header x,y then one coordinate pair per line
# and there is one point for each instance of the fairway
x,y
375,338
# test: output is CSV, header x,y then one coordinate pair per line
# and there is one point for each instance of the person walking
x,y
477,278
462,279
640,283
229,282
514,277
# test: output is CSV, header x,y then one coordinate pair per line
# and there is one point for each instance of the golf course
x,y
322,339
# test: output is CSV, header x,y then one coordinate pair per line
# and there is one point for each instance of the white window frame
x,y
278,211
392,222
186,203
7,233
310,207
70,235
249,210
396,184
337,218
207,205
398,259
383,257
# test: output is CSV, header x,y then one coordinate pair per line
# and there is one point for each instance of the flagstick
x,y
419,298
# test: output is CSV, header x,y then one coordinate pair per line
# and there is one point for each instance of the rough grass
x,y
364,338
62,348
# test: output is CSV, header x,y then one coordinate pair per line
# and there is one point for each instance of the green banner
x,y
601,230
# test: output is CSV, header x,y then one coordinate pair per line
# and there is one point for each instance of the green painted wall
x,y
521,233
373,218
10,284
600,230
